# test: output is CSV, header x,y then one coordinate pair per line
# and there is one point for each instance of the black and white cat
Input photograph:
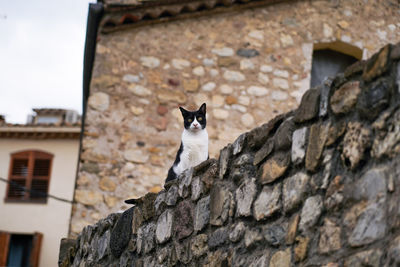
x,y
194,142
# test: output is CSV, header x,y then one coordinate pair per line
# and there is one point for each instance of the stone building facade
x,y
317,186
248,60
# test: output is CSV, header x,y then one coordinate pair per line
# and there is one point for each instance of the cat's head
x,y
194,121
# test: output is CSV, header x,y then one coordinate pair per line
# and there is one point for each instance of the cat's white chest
x,y
195,150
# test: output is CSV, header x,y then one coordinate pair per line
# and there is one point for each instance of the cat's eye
x,y
199,118
190,120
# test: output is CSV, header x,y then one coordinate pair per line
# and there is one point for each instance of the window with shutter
x,y
29,176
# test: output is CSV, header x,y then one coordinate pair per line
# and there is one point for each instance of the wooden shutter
x,y
18,175
4,246
36,247
29,170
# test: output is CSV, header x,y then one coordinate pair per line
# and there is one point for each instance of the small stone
x,y
220,199
208,87
256,34
199,245
286,40
202,213
310,213
231,100
292,229
234,76
309,106
274,168
283,135
263,78
257,91
136,156
226,89
214,72
280,83
239,108
237,232
274,235
316,142
334,132
172,195
247,120
150,62
371,225
266,68
164,227
343,24
139,90
90,167
329,240
106,184
199,99
218,237
191,85
281,258
208,62
325,89
370,257
244,100
87,197
183,220
246,64
327,30
281,73
249,53
268,202
137,110
217,101
244,197
223,52
294,190
197,188
298,145
374,99
356,141
300,250
131,78
265,150
224,160
251,236
180,64
99,101
344,99
220,114
377,64
145,238
199,71
238,144
165,96
279,95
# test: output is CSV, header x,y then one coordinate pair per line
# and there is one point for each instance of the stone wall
x,y
318,186
247,65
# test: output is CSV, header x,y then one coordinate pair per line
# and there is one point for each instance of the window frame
x,y
31,156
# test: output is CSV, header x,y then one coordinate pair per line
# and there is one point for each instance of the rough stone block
x,y
316,143
183,219
294,190
310,213
218,237
283,136
220,199
244,197
374,99
164,226
121,233
299,145
202,213
264,151
274,167
329,240
377,65
343,100
268,202
309,106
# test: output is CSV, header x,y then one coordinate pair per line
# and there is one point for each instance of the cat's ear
x,y
183,111
202,109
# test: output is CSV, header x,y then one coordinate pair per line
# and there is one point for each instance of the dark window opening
x,y
19,250
22,250
328,63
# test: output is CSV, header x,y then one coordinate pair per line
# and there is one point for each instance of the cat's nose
x,y
195,124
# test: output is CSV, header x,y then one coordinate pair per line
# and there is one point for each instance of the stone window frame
x,y
21,186
337,46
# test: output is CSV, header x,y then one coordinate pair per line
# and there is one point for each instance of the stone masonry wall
x,y
318,186
248,66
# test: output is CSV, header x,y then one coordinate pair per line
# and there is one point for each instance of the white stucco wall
x,y
52,218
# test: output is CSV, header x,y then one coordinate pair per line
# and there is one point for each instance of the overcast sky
x,y
41,55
